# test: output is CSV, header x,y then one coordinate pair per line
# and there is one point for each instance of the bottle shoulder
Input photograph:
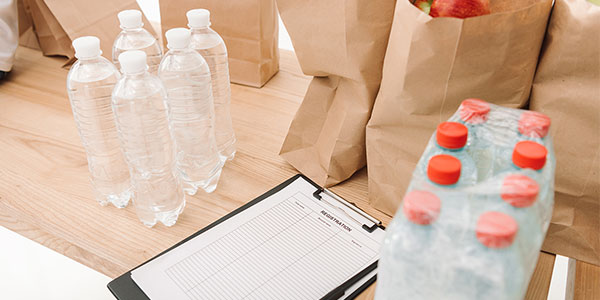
x,y
98,69
138,86
188,61
205,39
138,39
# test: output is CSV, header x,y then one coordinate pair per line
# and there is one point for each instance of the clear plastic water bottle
x,y
534,126
89,84
529,156
531,126
411,256
444,179
444,171
515,194
186,77
519,194
141,115
211,46
451,139
474,114
135,37
490,265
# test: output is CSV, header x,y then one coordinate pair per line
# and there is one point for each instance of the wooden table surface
x,y
45,193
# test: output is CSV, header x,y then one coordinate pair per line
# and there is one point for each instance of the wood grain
x,y
46,196
587,281
540,280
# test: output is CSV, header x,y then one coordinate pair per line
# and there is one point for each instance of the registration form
x,y
291,245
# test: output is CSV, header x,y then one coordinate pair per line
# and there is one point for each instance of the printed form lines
x,y
285,252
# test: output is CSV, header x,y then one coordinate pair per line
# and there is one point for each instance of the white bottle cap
x,y
198,18
133,61
131,18
178,38
87,47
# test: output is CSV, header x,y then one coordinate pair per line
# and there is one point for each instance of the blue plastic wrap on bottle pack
x,y
451,138
477,209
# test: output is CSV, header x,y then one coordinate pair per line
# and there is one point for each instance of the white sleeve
x,y
9,33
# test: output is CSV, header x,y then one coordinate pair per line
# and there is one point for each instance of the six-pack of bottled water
x,y
476,212
159,127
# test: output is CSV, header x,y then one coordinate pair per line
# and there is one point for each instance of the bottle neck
x,y
473,123
447,186
522,169
448,149
136,75
134,29
180,50
530,138
199,29
90,59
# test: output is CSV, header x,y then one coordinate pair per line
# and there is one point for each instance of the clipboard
x,y
125,288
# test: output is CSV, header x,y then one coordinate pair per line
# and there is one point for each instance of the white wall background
x,y
151,10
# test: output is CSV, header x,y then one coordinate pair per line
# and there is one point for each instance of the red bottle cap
x,y
421,207
474,111
528,154
451,135
534,124
496,229
519,190
444,169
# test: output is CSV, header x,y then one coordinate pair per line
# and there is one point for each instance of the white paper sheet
x,y
288,246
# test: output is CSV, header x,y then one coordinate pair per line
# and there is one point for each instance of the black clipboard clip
x,y
348,209
340,291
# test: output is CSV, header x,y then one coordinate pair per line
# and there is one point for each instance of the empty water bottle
x,y
89,84
186,77
211,46
474,114
451,139
134,37
141,115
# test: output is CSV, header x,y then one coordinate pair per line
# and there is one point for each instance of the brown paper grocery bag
x,y
431,65
250,29
341,44
51,25
51,38
85,17
27,36
567,88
